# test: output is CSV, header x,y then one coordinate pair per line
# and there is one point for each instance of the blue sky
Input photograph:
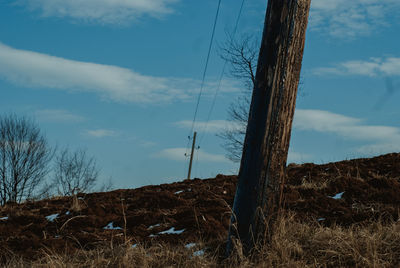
x,y
121,78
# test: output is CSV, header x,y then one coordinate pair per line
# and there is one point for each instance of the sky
x,y
121,78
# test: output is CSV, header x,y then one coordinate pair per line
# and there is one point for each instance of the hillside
x,y
346,193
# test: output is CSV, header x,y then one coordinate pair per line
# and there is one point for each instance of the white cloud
x,y
147,144
375,66
216,126
377,139
178,154
101,11
33,69
295,157
380,148
54,115
101,133
213,126
351,18
380,139
320,120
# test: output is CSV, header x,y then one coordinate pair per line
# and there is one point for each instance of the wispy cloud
x,y
380,148
349,19
213,126
101,133
147,144
295,157
33,69
378,138
373,67
55,115
100,11
178,154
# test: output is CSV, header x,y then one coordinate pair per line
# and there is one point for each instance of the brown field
x,y
153,225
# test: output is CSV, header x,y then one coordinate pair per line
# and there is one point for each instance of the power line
x,y
206,67
221,76
204,75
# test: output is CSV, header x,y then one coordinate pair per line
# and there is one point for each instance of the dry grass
x,y
294,244
123,256
297,244
316,185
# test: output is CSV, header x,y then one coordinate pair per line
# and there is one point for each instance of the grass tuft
x,y
294,244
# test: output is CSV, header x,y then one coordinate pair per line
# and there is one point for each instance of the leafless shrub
x,y
74,172
106,186
24,158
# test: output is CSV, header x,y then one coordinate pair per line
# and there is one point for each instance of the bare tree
x,y
74,171
106,186
241,55
24,158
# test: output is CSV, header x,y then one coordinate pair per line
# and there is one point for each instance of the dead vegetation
x,y
294,244
337,215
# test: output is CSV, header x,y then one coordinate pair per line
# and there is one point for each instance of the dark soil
x,y
199,209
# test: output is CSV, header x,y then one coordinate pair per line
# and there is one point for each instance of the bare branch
x,y
242,56
24,158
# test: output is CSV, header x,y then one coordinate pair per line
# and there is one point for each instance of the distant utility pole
x,y
191,155
262,171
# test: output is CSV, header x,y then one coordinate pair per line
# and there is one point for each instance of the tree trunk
x,y
263,164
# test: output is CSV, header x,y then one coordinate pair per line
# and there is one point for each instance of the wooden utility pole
x,y
191,155
263,164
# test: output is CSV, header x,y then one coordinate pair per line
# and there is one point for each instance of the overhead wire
x,y
203,77
221,77
205,67
203,80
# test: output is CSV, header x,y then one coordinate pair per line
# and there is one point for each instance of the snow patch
x,y
172,231
321,219
337,196
52,217
179,192
190,245
153,226
110,226
4,219
198,253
